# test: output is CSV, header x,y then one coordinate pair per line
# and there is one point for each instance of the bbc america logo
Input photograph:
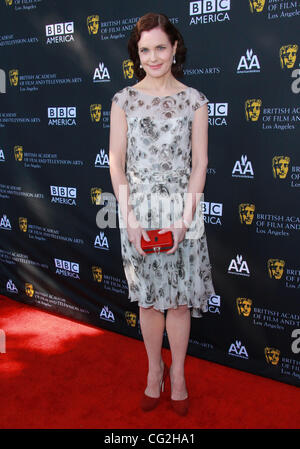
x,y
62,116
214,304
217,114
209,11
67,268
59,32
209,6
63,195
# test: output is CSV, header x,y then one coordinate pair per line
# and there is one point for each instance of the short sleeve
x,y
199,99
120,98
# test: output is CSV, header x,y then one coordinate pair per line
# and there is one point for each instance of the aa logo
x,y
238,350
280,166
107,314
93,24
102,159
128,71
101,73
256,5
243,168
246,213
248,63
95,111
14,77
96,195
275,268
244,306
18,152
101,241
272,356
130,318
5,223
239,266
252,109
97,273
288,55
10,286
29,290
23,224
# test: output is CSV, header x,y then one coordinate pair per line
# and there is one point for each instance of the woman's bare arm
x,y
117,158
199,162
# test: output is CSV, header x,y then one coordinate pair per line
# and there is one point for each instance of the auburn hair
x,y
147,23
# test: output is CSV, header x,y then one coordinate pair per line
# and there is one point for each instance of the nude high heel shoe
x,y
148,403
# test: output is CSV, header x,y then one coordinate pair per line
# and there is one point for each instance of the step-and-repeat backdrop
x,y
60,64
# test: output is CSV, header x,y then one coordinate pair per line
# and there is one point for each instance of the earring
x,y
141,66
174,59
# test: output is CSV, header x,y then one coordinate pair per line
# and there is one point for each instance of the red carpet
x,y
59,374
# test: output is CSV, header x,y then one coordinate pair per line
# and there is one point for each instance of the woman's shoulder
x,y
198,97
121,92
121,96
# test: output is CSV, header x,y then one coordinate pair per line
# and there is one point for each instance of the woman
x,y
158,152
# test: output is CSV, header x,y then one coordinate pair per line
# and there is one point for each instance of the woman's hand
x,y
135,232
178,230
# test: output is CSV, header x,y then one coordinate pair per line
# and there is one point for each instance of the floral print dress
x,y
158,166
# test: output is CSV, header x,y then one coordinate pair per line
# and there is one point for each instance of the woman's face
x,y
156,52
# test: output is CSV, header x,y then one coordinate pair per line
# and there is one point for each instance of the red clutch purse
x,y
158,242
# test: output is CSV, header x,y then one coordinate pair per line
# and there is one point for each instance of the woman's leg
x,y
153,325
178,325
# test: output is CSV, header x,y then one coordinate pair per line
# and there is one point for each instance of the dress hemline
x,y
196,312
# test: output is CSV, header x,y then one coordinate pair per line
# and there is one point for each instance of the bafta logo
x,y
246,212
14,77
95,111
272,355
256,5
128,69
8,2
96,195
280,166
93,24
130,318
29,289
288,55
275,268
18,152
244,306
23,224
252,109
97,273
